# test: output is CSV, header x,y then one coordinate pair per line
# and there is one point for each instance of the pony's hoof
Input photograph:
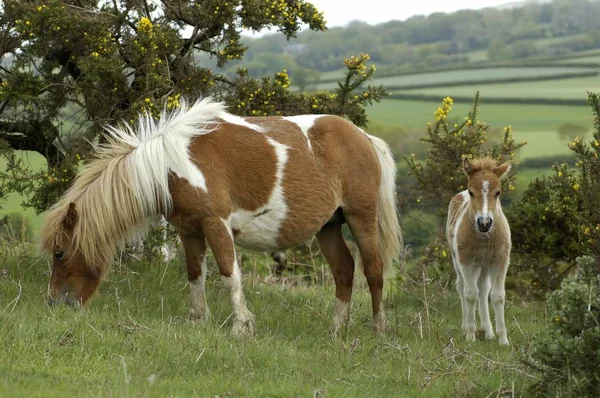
x,y
242,328
504,341
199,316
470,337
380,324
489,335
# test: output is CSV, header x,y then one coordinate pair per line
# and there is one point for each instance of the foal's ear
x,y
468,167
71,216
502,170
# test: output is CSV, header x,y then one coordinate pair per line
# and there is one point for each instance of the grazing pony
x,y
262,183
479,238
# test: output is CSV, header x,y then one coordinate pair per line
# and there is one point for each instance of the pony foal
x,y
262,183
479,238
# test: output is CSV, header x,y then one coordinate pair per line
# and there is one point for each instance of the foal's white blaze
x,y
461,213
485,211
234,119
305,122
259,229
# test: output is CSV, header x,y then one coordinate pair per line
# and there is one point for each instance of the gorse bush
x,y
567,353
558,219
548,227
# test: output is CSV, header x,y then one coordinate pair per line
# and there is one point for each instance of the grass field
x,y
575,88
415,114
467,75
135,340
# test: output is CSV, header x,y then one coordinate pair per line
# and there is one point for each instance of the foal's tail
x,y
390,234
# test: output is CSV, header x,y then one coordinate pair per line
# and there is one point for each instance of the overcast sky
x,y
340,12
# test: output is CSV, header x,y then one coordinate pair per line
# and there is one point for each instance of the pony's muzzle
x,y
67,299
484,224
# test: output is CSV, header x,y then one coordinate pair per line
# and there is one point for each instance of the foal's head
x,y
73,280
484,189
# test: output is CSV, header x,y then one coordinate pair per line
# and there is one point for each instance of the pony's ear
x,y
468,167
502,170
71,216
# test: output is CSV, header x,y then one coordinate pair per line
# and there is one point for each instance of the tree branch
x,y
37,136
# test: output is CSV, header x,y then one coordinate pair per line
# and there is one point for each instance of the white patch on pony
x,y
244,319
259,229
199,308
234,119
461,213
341,314
305,122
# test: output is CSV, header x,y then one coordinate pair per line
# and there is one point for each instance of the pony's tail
x,y
390,234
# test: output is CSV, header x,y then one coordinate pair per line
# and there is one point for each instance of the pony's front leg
x,y
195,260
220,238
460,288
470,276
484,310
498,297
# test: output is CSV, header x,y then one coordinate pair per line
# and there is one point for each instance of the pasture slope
x,y
135,339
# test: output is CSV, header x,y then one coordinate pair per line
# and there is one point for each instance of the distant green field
x,y
590,59
468,74
415,114
574,88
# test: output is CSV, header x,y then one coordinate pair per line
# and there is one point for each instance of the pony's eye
x,y
497,193
471,193
58,254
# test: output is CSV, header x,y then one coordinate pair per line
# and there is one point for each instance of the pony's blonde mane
x,y
127,183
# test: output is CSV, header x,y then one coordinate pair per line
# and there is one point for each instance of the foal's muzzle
x,y
484,224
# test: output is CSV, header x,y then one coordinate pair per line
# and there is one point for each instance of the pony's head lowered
x,y
74,279
484,189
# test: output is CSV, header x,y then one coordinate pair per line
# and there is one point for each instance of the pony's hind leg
x,y
363,224
498,297
333,246
220,238
195,261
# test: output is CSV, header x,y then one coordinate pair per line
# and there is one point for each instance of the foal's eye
x,y
58,254
471,193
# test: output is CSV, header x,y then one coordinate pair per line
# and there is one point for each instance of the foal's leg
x,y
219,236
195,261
460,288
340,260
484,309
498,276
363,224
470,276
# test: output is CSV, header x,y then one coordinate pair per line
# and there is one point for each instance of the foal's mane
x,y
126,184
483,163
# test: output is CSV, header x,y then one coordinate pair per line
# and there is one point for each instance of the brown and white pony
x,y
479,238
263,183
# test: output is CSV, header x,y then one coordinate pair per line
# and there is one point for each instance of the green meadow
x,y
117,347
574,88
463,75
